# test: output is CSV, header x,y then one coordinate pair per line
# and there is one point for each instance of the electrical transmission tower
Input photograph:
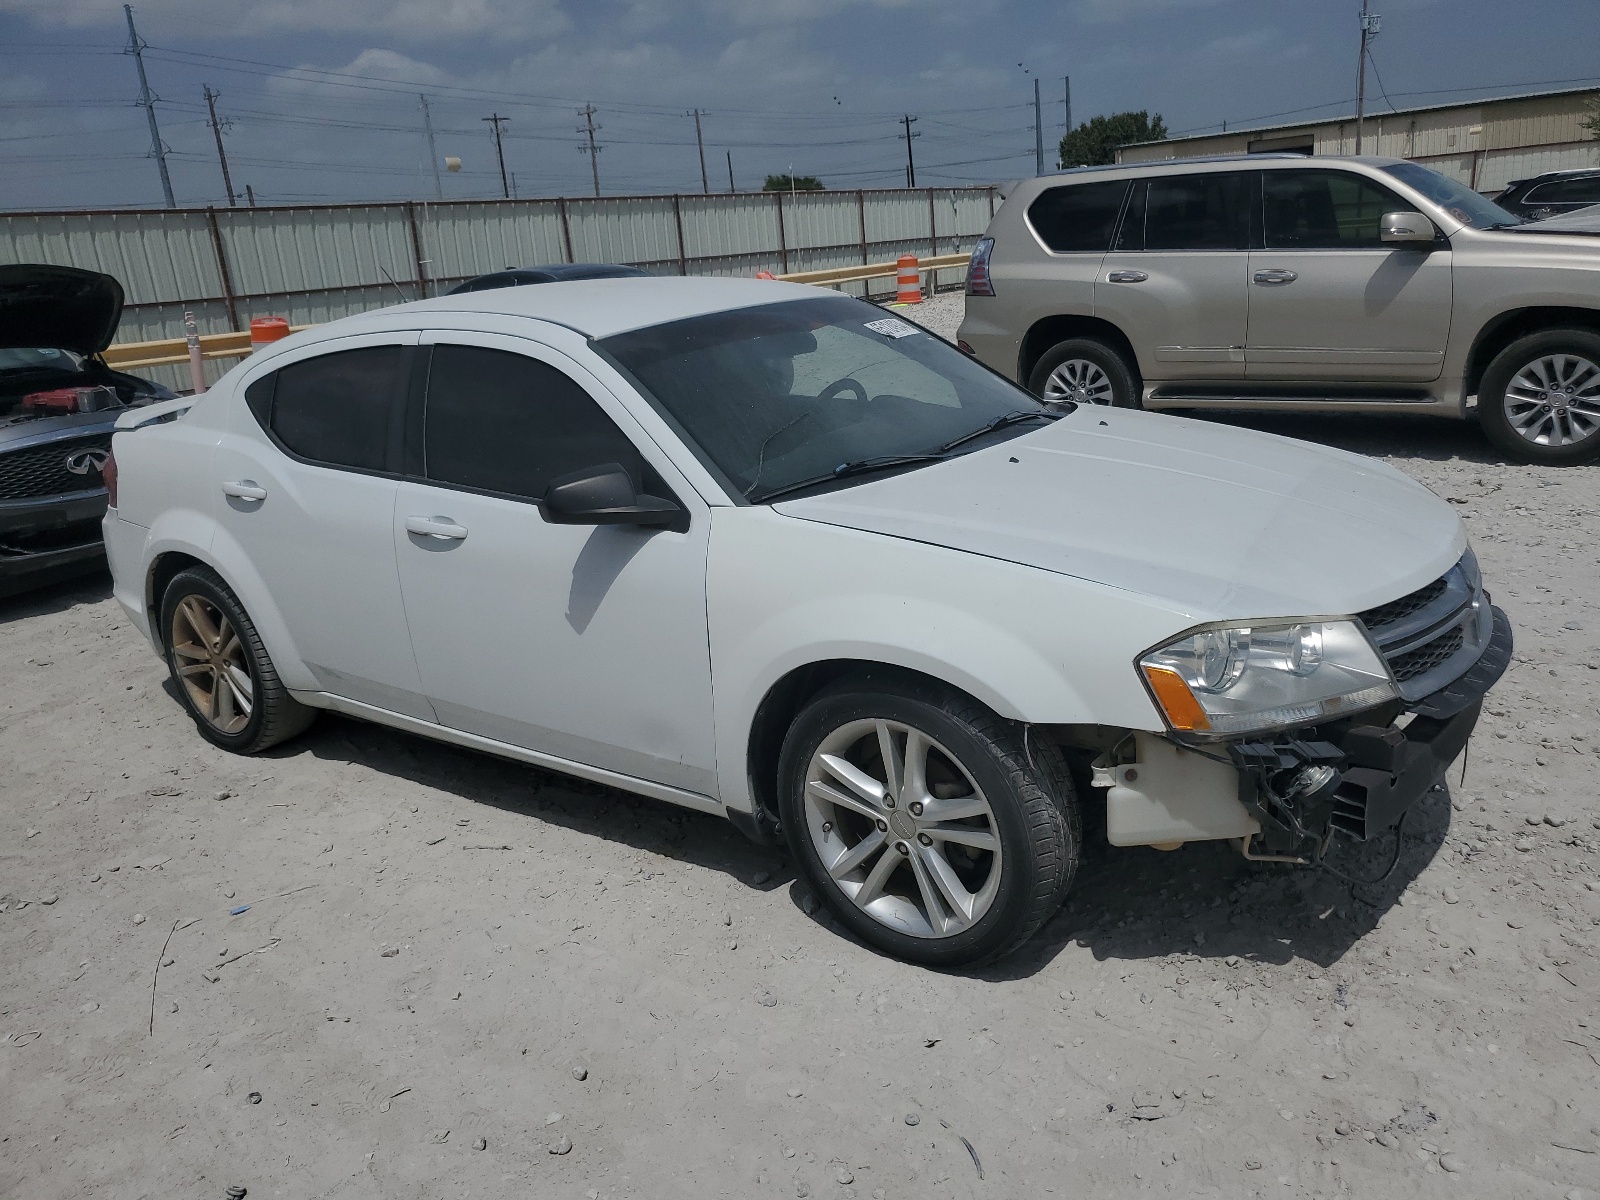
x,y
222,155
147,101
593,151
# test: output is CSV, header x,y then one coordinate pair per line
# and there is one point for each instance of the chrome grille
x,y
42,470
1425,658
1380,618
1430,636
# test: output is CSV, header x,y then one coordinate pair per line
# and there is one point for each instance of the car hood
x,y
1220,523
61,308
1579,220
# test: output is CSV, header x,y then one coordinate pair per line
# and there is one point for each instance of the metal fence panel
x,y
624,230
298,250
822,219
157,257
460,241
718,227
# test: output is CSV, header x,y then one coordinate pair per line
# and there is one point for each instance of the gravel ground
x,y
459,977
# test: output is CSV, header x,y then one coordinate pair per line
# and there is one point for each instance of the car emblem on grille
x,y
85,461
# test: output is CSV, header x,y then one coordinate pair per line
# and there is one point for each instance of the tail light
x,y
108,476
978,282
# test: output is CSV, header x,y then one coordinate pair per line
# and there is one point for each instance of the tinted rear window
x,y
337,408
1566,191
1199,212
1078,217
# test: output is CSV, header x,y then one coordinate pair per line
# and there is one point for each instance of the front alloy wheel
x,y
923,820
1539,401
902,828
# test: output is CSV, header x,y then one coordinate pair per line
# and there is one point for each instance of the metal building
x,y
1485,144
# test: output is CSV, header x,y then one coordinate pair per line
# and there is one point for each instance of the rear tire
x,y
225,679
1086,370
1539,401
963,861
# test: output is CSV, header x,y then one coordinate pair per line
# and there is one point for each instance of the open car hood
x,y
58,308
1221,523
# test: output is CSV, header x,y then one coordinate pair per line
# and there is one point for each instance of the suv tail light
x,y
108,476
978,282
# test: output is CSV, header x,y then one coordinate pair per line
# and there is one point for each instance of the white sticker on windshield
x,y
892,327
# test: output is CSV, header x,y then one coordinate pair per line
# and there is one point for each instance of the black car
x,y
1551,194
58,405
553,273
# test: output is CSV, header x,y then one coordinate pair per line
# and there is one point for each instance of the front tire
x,y
1086,370
924,822
1539,401
225,678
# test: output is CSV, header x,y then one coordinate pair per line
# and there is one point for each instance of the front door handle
x,y
245,489
1275,276
1127,277
436,527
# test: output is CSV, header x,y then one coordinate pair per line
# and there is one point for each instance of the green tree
x,y
1095,142
792,183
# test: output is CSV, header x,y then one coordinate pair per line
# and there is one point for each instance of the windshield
x,y
1457,199
29,358
783,393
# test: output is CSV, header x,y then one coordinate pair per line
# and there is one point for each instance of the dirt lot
x,y
458,977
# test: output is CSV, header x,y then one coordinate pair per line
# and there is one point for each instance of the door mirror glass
x,y
1407,227
603,495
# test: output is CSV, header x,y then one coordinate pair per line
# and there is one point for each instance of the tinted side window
x,y
1079,216
1198,212
337,408
503,422
1131,235
1324,210
1566,191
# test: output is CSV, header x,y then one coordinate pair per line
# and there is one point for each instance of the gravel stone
x,y
580,1073
760,877
843,1175
913,1119
562,1145
1451,1162
438,1136
479,1143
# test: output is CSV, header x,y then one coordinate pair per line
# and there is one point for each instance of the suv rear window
x,y
1566,191
338,409
1078,217
1198,212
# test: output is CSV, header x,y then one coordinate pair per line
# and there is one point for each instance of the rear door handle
x,y
245,489
1127,277
1275,275
436,527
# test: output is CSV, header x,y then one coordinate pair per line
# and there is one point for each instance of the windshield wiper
x,y
1010,418
857,466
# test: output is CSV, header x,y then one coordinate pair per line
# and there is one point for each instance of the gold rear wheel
x,y
211,664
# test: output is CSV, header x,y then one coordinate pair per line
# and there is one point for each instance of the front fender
x,y
1031,645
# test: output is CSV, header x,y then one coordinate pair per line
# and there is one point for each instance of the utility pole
x,y
222,155
593,151
911,163
148,103
1369,30
433,155
1038,131
495,120
731,188
1067,82
698,141
250,195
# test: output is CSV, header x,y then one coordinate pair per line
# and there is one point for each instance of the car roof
x,y
596,308
1568,173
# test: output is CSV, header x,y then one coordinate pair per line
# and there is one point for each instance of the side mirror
x,y
603,495
1406,228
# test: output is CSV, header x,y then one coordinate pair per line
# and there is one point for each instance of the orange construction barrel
x,y
909,280
265,330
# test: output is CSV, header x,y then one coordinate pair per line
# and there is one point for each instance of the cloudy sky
x,y
322,96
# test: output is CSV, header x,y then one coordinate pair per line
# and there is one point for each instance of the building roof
x,y
1391,112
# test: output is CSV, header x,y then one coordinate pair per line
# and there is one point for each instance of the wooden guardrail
x,y
130,356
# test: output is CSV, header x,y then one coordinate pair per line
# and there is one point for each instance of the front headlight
x,y
1243,679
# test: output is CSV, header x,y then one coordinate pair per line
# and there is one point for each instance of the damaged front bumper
x,y
1285,796
1358,778
49,538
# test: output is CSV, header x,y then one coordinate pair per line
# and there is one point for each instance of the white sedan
x,y
775,554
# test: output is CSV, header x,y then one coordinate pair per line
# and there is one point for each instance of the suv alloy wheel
x,y
1085,371
1539,400
924,823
